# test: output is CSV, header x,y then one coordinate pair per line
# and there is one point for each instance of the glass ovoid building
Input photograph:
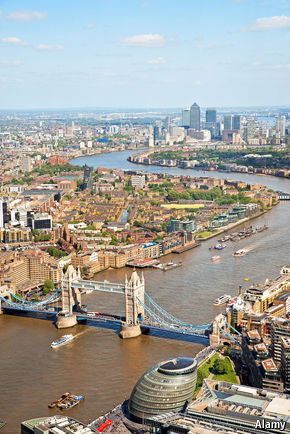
x,y
164,388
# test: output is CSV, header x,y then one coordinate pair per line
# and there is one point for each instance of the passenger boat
x,y
240,253
66,401
222,300
220,246
215,258
61,341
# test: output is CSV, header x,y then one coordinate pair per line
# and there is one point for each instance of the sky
x,y
144,53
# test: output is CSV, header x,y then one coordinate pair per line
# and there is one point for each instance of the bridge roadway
x,y
112,322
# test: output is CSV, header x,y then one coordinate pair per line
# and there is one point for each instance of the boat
x,y
220,246
61,341
222,300
58,401
215,258
70,401
66,401
240,253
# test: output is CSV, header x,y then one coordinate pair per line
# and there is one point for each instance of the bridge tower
x,y
134,290
70,297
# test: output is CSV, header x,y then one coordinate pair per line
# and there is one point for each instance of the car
x,y
91,314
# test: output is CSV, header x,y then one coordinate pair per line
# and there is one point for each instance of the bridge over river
x,y
142,314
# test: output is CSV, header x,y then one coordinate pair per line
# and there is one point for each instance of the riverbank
x,y
138,159
233,225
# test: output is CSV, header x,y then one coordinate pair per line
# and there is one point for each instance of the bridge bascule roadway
x,y
142,313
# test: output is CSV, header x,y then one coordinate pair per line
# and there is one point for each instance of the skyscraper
x,y
195,117
281,126
228,122
210,115
236,122
186,117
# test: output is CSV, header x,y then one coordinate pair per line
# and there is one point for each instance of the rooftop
x,y
269,365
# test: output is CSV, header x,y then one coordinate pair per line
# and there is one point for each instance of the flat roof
x,y
279,406
269,365
246,400
254,334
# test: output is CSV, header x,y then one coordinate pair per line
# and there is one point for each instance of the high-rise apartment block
x,y
26,163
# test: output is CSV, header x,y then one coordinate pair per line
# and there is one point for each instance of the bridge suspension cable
x,y
25,304
46,300
173,318
162,321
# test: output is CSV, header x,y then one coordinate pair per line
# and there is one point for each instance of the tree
x,y
219,367
48,286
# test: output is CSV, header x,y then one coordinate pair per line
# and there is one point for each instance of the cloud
x,y
14,41
269,23
157,61
26,16
90,26
145,40
44,47
10,63
196,83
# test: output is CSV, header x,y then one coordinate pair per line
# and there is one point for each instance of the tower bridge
x,y
142,313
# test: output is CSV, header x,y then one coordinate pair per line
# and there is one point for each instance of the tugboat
x,y
239,253
63,340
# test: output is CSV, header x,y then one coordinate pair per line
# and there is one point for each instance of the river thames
x,y
98,363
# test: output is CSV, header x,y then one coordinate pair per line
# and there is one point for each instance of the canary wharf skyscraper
x,y
195,117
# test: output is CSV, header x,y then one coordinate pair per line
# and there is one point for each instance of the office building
x,y
166,387
179,225
195,117
228,122
210,115
185,122
41,221
236,122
